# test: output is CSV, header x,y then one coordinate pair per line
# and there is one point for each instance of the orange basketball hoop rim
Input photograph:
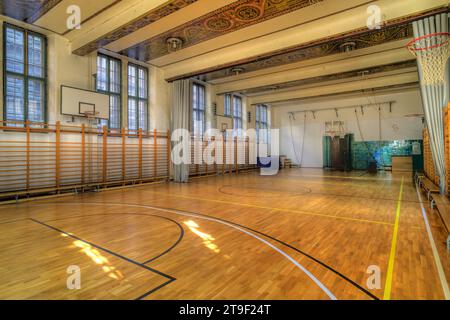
x,y
432,52
412,45
91,114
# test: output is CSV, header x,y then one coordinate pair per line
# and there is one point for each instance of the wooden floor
x,y
304,234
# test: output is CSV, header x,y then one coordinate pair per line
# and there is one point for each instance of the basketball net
x,y
91,115
432,52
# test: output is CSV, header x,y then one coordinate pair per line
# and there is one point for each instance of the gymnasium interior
x,y
224,150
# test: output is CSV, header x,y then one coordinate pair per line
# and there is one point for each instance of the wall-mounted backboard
x,y
78,102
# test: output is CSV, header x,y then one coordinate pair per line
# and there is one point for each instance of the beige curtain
x,y
180,117
434,97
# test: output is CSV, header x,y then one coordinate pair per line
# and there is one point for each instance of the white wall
x,y
159,100
394,125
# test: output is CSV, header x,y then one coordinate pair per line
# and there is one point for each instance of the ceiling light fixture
x,y
347,46
174,44
237,71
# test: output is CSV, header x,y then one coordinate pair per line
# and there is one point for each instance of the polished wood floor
x,y
304,234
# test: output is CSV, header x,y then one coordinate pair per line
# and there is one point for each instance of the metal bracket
x,y
432,204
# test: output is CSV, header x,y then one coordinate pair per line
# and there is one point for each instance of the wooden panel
x,y
402,164
429,169
70,157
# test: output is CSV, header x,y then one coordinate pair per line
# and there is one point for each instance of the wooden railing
x,y
240,156
428,165
429,168
41,159
37,158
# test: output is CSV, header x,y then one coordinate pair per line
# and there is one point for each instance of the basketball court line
x,y
250,206
177,212
309,193
437,260
274,208
336,177
390,270
170,278
228,222
180,238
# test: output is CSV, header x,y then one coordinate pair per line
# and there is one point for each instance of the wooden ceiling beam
x,y
351,86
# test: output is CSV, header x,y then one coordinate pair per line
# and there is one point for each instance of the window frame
x,y
228,101
25,76
239,119
109,92
259,124
193,109
136,97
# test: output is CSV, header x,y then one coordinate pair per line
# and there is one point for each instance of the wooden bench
x,y
442,204
417,177
429,186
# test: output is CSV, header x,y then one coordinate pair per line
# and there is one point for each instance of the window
x,y
262,122
227,106
109,81
137,97
198,109
24,75
237,114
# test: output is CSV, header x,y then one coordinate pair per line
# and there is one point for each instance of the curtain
x,y
434,97
180,116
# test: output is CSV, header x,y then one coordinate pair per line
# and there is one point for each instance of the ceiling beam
x,y
124,14
317,70
314,61
325,81
355,85
414,87
323,27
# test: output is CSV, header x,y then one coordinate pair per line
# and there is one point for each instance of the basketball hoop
x,y
335,129
91,114
432,52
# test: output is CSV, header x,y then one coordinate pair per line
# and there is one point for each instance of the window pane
x,y
15,104
114,109
237,107
35,56
143,84
103,123
195,96
132,81
102,73
15,50
132,114
114,74
237,113
36,100
108,80
227,111
201,98
143,115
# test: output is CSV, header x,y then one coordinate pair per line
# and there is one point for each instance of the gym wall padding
x,y
383,151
